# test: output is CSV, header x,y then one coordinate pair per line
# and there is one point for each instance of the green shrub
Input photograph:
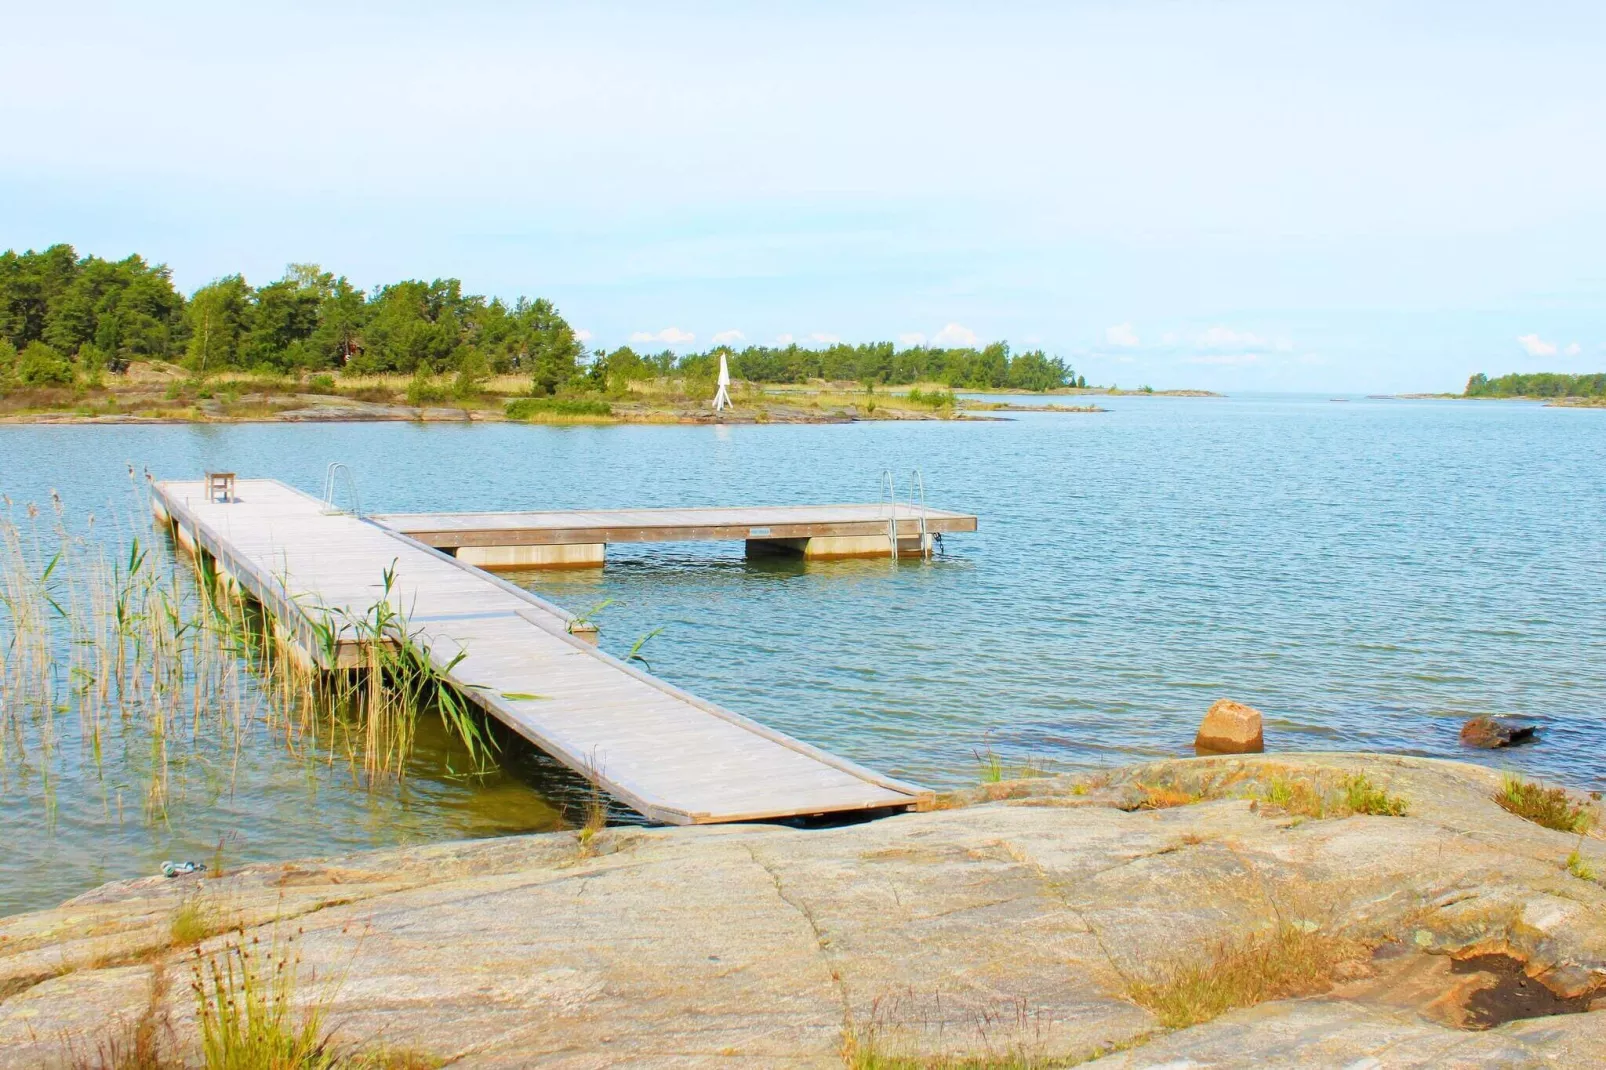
x,y
1362,797
321,384
1551,807
39,365
935,399
424,391
531,408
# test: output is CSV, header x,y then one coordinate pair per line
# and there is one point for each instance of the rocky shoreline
x,y
1040,922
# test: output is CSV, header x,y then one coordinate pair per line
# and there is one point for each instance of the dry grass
x,y
1163,797
1551,807
595,813
1309,796
1290,960
193,922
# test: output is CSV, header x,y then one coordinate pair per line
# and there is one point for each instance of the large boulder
x,y
1490,733
1230,728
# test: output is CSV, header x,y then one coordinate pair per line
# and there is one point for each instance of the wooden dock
x,y
579,538
667,754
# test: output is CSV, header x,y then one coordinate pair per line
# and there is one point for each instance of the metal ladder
x,y
335,469
889,499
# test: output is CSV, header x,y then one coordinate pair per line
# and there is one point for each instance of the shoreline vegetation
x,y
1557,389
1554,388
84,339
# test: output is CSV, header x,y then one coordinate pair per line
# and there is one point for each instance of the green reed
x,y
166,659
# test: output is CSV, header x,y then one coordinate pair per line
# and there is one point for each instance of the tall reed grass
x,y
163,662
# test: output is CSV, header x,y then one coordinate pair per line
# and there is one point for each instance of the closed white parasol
x,y
722,398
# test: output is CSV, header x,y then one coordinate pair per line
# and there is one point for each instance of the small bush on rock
x,y
1551,807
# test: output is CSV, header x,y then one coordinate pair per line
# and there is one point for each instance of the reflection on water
x,y
1368,574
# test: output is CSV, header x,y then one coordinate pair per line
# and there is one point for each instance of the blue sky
x,y
1224,195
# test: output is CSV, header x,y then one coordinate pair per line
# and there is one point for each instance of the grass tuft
x,y
1291,960
1361,797
1551,807
245,1010
1306,797
193,922
993,770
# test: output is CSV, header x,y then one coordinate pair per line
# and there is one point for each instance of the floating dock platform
x,y
673,757
580,539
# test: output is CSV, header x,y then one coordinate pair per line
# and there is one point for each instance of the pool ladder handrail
x,y
330,475
917,483
889,499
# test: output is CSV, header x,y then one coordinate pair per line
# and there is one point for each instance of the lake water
x,y
1368,573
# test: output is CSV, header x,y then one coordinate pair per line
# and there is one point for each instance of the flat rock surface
x,y
1012,922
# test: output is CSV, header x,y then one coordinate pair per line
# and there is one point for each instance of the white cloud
x,y
1313,358
1224,358
824,339
582,335
954,335
1573,350
1228,338
730,337
669,336
784,339
913,338
1122,335
1536,346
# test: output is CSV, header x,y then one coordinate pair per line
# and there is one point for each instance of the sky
x,y
1236,196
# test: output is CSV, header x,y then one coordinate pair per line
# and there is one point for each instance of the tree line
x,y
991,367
1537,385
65,317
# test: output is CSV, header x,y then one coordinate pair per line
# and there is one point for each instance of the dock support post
x,y
580,555
836,547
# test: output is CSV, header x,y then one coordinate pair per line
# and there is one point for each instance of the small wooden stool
x,y
220,486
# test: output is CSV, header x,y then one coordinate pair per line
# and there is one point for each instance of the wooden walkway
x,y
667,754
453,530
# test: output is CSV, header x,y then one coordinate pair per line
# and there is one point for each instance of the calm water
x,y
1369,573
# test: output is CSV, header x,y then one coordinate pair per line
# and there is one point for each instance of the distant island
x,y
1558,388
88,339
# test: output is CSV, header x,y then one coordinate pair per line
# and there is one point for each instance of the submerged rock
x,y
1490,733
1230,728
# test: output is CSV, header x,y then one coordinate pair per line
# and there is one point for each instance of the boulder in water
x,y
1230,728
1491,733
